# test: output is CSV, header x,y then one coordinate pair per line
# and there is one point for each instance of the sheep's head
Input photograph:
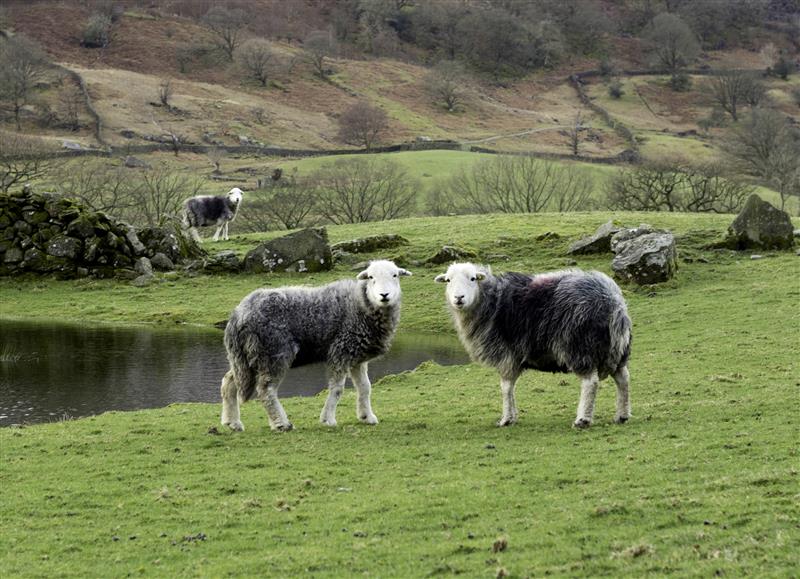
x,y
382,279
235,195
463,289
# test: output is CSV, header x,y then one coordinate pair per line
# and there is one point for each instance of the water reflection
x,y
49,371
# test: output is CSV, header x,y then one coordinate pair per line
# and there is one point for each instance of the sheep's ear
x,y
401,271
480,276
363,275
441,278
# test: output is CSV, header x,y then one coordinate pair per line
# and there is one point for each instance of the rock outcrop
x,y
303,251
646,258
759,225
598,242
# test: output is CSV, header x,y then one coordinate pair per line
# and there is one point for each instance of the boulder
x,y
760,226
627,234
223,262
370,243
13,255
450,253
143,280
646,259
170,241
303,251
132,163
143,266
598,242
64,246
81,227
161,262
133,240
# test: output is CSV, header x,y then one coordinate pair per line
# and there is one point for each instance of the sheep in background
x,y
344,324
564,321
217,210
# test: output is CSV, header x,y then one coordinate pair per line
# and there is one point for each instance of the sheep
x,y
217,210
563,321
344,324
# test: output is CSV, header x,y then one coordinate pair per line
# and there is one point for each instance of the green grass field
x,y
702,481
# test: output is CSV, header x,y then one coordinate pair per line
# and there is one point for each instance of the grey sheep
x,y
563,321
344,324
217,210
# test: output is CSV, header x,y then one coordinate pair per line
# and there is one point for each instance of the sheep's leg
x,y
230,403
622,378
589,384
267,388
363,388
217,232
507,387
195,235
225,232
335,389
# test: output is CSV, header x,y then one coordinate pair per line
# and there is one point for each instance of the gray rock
x,y
133,239
760,226
143,280
127,133
71,145
361,265
627,234
223,262
64,246
81,227
172,242
756,256
161,262
598,242
646,259
133,163
303,251
449,253
370,243
143,266
13,255
81,272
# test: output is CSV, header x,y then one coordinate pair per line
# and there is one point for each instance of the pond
x,y
55,371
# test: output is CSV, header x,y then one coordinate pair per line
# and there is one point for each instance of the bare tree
x,y
673,45
228,26
97,32
289,203
521,184
675,185
446,84
99,185
257,60
22,65
165,91
215,155
22,159
319,46
161,192
70,104
360,190
733,88
574,133
362,124
769,149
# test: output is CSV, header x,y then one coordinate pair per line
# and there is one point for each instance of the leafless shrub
x,y
446,84
161,191
258,60
216,155
733,88
165,91
574,133
362,124
227,26
520,184
675,185
70,104
22,65
319,46
22,159
97,32
359,190
289,203
99,185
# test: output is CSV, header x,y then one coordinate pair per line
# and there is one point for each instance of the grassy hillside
x,y
702,481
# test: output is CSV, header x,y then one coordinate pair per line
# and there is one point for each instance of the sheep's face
x,y
382,279
463,289
235,195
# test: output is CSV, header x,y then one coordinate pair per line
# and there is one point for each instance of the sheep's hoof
x,y
235,426
284,427
328,422
621,419
582,423
506,421
368,419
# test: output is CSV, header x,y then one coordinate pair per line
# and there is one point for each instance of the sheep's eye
x,y
395,275
447,280
472,279
369,276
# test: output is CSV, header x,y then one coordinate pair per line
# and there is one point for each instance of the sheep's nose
x,y
385,297
459,299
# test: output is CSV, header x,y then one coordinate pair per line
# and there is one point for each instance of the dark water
x,y
50,372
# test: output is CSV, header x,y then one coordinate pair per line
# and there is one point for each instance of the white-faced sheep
x,y
344,324
564,321
217,210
